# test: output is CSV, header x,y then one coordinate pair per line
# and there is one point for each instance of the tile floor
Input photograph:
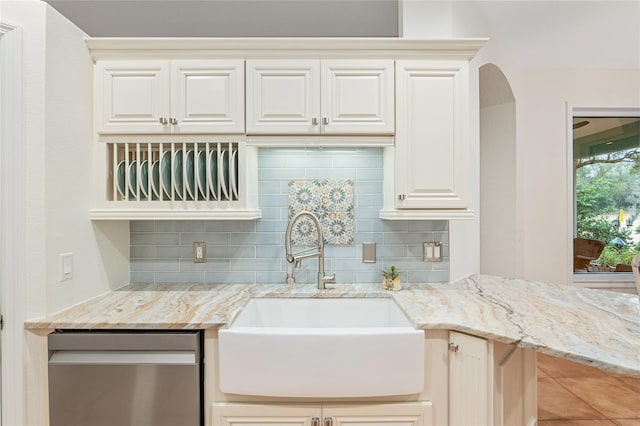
x,y
571,394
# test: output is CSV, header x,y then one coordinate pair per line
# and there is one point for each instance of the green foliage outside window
x,y
604,185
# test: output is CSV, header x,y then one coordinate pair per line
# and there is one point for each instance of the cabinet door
x,y
390,414
283,96
132,96
207,96
264,415
432,141
357,97
469,385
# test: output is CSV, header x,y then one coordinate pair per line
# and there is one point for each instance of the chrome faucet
x,y
295,259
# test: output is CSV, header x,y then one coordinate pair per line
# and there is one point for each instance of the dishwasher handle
x,y
62,357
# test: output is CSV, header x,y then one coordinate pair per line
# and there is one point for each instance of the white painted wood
x,y
357,96
37,378
283,97
432,135
353,414
287,47
227,414
207,96
514,385
132,96
310,97
437,374
381,414
245,207
319,141
469,383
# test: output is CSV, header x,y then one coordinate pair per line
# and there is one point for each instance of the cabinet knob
x,y
162,120
328,421
325,120
314,121
453,347
401,197
315,421
174,121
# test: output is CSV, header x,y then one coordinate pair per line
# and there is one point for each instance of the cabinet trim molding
x,y
319,141
102,48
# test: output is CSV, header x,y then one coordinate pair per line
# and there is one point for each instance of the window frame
x,y
601,279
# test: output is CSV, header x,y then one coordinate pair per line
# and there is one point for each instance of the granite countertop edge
x,y
592,327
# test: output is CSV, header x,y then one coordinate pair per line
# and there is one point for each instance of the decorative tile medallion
x,y
332,203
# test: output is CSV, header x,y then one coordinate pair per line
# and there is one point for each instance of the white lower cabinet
x,y
489,383
228,414
392,414
469,380
360,414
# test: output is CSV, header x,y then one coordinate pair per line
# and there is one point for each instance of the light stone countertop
x,y
593,327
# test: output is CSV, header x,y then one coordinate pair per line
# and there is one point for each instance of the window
x,y
606,158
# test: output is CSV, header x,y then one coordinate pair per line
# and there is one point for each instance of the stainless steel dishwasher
x,y
107,378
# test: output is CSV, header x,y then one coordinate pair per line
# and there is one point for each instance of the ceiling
x,y
232,18
536,33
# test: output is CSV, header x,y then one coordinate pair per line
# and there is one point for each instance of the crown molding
x,y
104,48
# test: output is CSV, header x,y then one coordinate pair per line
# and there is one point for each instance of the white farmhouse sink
x,y
321,348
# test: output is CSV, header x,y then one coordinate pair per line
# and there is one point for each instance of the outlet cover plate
x,y
199,252
432,252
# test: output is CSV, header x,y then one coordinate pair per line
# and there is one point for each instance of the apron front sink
x,y
321,348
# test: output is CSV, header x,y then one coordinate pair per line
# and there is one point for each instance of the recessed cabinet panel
x,y
353,414
207,96
161,97
469,387
431,135
357,97
328,97
132,97
399,414
283,97
224,414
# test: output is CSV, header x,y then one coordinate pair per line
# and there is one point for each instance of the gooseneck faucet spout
x,y
295,259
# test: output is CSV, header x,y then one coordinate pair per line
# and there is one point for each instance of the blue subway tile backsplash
x,y
247,252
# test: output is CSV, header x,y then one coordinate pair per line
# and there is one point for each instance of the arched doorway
x,y
498,218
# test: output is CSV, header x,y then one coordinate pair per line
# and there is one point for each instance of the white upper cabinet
x,y
162,97
329,97
283,96
432,137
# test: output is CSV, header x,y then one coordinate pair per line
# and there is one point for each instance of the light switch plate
x,y
66,266
432,252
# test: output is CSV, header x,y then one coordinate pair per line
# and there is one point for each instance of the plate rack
x,y
173,171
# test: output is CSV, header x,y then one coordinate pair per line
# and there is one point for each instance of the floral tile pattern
x,y
332,203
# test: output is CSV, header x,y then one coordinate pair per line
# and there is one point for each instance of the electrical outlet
x,y
199,252
432,252
369,252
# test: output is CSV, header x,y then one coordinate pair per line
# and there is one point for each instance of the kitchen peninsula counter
x,y
593,327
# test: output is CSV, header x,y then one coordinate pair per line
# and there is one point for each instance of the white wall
x,y
58,140
498,228
543,143
68,184
58,104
